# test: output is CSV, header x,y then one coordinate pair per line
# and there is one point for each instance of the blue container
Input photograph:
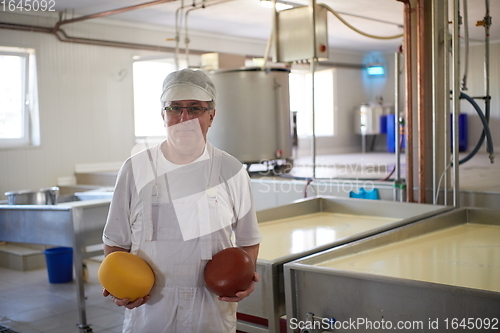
x,y
391,134
383,124
463,132
364,194
59,264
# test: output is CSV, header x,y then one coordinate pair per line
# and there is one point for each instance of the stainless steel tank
x,y
252,121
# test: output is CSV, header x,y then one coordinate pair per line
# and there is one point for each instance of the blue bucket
x,y
59,264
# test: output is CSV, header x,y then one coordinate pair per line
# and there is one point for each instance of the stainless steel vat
x,y
252,122
359,218
76,224
43,196
430,276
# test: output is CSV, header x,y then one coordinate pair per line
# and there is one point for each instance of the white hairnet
x,y
188,84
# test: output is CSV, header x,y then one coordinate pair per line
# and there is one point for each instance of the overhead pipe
x,y
177,34
63,37
195,6
409,99
109,12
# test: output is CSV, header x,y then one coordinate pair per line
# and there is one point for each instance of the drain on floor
x,y
6,330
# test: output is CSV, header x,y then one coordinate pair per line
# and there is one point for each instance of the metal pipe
x,y
487,101
397,184
409,100
63,37
195,6
456,100
421,101
312,4
110,12
177,35
434,104
446,102
435,48
466,53
23,27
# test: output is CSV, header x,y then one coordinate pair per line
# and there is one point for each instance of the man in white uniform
x,y
175,206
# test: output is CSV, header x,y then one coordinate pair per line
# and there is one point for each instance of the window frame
x,y
306,116
151,137
30,131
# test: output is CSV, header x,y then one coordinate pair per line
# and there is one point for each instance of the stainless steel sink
x,y
75,222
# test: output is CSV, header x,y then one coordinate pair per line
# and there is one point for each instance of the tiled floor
x,y
30,304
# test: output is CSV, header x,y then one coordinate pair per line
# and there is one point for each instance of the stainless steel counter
x,y
308,226
75,224
431,275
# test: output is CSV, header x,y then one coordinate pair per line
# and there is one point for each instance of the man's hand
x,y
126,302
244,293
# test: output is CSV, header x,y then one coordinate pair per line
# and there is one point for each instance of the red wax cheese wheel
x,y
126,275
230,270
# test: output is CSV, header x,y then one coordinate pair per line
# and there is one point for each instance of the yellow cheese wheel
x,y
126,275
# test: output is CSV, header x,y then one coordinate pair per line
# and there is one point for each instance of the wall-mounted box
x,y
295,36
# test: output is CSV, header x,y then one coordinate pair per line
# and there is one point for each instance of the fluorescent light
x,y
375,69
279,5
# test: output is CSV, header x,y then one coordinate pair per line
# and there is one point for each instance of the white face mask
x,y
186,138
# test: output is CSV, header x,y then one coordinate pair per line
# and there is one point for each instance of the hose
x,y
485,134
357,30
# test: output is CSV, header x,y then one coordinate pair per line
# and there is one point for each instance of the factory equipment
x,y
43,196
429,276
308,226
253,114
370,119
300,35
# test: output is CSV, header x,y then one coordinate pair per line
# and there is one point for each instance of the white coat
x,y
176,217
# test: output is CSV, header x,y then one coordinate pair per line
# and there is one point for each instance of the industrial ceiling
x,y
248,19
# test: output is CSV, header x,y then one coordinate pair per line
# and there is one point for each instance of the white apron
x,y
177,238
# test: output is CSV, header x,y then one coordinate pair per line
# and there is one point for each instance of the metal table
x,y
432,275
76,224
341,220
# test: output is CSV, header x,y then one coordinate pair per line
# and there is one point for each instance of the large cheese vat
x,y
437,275
252,121
307,226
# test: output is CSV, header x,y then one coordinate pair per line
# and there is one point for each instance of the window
x,y
148,81
300,101
18,98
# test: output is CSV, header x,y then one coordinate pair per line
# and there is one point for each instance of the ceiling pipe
x,y
409,99
109,12
195,6
63,37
